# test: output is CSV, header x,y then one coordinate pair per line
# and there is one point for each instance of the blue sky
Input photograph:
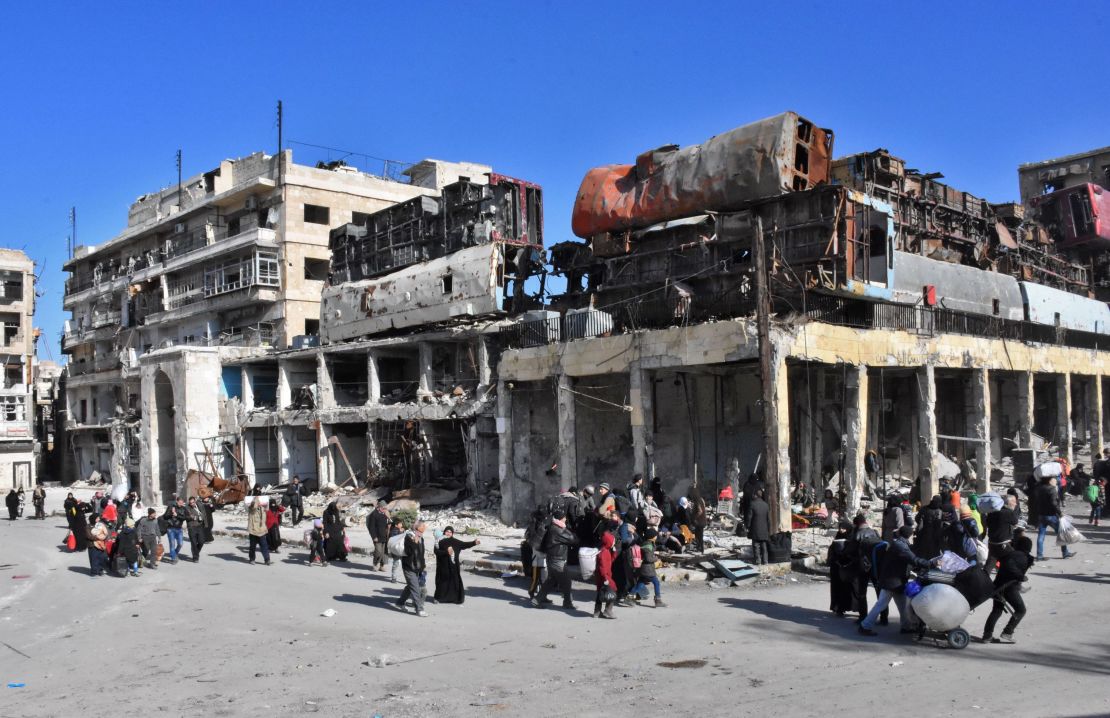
x,y
97,98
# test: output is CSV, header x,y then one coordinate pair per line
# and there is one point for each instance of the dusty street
x,y
222,637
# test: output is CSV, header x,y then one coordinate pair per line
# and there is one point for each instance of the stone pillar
x,y
1064,434
373,379
247,456
325,390
855,434
804,410
980,425
1094,416
1025,409
641,396
426,379
284,442
485,370
325,474
568,449
505,451
927,431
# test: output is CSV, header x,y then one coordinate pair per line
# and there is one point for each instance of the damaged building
x,y
753,304
18,450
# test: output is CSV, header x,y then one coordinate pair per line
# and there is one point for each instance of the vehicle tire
x,y
958,638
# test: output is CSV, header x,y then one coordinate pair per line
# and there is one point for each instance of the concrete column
x,y
804,411
284,389
373,453
426,380
284,442
927,428
373,379
641,396
568,449
247,456
779,486
1094,416
246,376
325,389
485,370
325,473
855,434
504,427
1064,433
1025,409
980,425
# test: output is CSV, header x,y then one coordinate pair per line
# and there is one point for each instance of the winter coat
x,y
149,532
893,519
1046,501
377,523
293,495
1000,525
897,561
194,516
128,542
759,520
556,546
603,576
413,559
174,516
256,520
647,552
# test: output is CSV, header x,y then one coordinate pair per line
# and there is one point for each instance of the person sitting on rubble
x,y
669,541
832,506
802,494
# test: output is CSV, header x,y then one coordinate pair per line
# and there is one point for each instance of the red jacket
x,y
604,574
273,517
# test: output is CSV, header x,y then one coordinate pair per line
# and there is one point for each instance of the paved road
x,y
222,637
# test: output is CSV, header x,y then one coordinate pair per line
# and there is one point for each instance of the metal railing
x,y
927,321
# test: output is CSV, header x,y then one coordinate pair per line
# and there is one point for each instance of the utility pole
x,y
279,121
72,231
767,378
179,208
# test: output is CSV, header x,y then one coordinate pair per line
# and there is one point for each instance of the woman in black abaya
x,y
449,585
334,546
79,525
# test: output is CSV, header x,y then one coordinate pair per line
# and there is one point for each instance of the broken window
x,y
13,375
312,327
13,408
233,227
360,218
315,214
316,269
446,282
10,324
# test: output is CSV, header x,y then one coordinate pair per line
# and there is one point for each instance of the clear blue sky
x,y
97,97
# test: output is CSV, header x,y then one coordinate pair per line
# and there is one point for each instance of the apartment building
x,y
17,350
230,264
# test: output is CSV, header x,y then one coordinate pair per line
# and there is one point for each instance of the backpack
x,y
907,513
623,503
537,527
395,547
868,558
637,556
1092,493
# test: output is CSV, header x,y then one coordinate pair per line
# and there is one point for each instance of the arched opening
x,y
166,470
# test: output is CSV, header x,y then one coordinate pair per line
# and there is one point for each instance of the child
x,y
316,544
1096,495
646,573
397,527
128,544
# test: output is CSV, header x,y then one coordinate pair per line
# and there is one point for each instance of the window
x,y
315,268
233,227
446,282
995,305
360,218
311,327
84,415
314,214
13,408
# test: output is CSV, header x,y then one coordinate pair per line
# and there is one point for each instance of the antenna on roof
x,y
72,243
279,123
179,207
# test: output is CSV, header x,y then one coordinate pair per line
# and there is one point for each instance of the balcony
x,y
73,337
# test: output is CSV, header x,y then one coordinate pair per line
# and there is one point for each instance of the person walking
x,y
12,502
150,538
294,499
413,566
194,522
316,544
897,561
557,545
377,524
273,525
449,584
893,517
758,520
335,534
38,498
1046,499
646,572
603,577
127,542
256,528
1096,496
1012,567
175,519
1000,532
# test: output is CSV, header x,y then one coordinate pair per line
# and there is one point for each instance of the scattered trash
x,y
548,645
20,576
328,613
380,662
511,574
895,664
17,685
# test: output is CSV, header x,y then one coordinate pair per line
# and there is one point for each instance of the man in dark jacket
x,y
194,522
413,565
377,523
758,519
1011,572
150,538
893,576
557,545
294,499
1000,531
1046,500
861,546
175,519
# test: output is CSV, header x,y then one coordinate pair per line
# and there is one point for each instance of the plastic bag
x,y
346,543
941,607
587,562
982,551
1067,534
912,589
952,563
71,541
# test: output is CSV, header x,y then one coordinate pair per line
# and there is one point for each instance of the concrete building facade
x,y
228,265
17,352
